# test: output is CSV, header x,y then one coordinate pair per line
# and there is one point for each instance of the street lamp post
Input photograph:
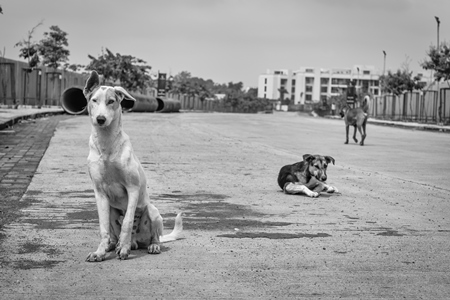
x,y
438,23
384,70
437,81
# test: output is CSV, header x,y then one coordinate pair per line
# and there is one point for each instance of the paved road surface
x,y
386,235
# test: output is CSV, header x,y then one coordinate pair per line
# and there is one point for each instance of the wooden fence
x,y
39,87
427,106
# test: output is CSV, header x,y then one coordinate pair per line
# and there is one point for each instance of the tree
x,y
30,49
127,70
438,61
52,48
401,81
185,84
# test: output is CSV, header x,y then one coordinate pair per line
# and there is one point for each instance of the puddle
x,y
91,215
390,233
33,247
273,235
27,264
192,197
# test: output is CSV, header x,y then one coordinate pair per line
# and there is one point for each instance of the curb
x,y
413,127
17,119
405,125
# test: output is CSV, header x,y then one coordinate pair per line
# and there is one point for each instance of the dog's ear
x,y
308,158
92,83
123,94
329,159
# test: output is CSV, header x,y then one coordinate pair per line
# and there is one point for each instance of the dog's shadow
x,y
322,195
136,254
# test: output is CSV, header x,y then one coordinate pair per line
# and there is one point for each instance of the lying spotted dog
x,y
306,177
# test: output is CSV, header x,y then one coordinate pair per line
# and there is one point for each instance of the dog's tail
x,y
176,232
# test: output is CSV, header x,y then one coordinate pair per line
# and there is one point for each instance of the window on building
x,y
309,71
265,89
323,98
324,81
339,81
366,72
265,80
308,97
324,89
283,81
309,80
335,90
293,82
308,88
375,91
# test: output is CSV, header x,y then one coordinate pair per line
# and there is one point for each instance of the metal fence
x,y
427,106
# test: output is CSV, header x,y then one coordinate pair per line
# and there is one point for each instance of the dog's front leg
x,y
298,188
323,187
103,216
346,133
156,229
354,135
123,248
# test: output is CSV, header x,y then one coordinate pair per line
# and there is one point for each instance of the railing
x,y
423,107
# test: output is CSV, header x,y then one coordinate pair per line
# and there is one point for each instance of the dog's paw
x,y
95,257
332,189
122,251
134,245
313,194
154,249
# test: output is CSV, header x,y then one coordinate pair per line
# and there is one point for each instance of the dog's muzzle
x,y
321,176
101,120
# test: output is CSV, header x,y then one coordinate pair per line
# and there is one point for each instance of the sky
x,y
236,40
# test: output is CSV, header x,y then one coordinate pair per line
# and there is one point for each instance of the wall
x,y
40,87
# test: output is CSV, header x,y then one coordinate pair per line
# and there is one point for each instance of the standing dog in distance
x,y
128,220
306,177
356,117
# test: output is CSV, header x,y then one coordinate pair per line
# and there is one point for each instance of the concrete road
x,y
385,235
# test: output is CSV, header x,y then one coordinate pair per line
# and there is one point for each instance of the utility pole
x,y
437,80
384,69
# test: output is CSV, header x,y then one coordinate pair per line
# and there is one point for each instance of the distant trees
x,y
52,48
184,83
234,94
51,51
401,81
29,49
129,71
439,61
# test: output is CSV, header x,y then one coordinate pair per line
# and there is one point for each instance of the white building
x,y
308,85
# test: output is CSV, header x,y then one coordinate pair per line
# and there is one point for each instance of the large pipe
x,y
73,101
143,103
168,105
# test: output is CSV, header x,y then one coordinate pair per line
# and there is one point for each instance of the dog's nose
x,y
324,178
101,120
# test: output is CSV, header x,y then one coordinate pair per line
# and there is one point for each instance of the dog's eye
x,y
94,100
110,101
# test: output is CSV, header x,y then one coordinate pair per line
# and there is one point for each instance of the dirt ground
x,y
385,235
